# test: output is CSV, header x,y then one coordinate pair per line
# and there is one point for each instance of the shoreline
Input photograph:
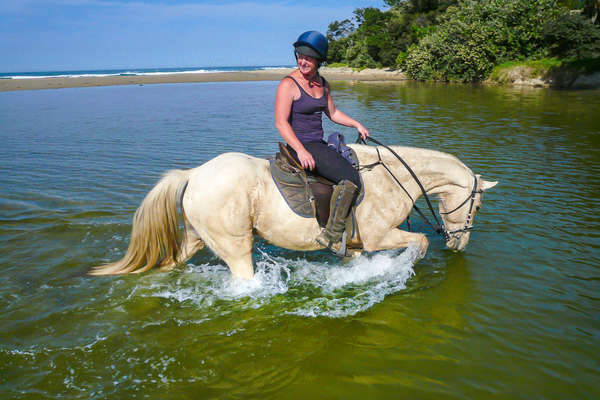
x,y
333,74
515,77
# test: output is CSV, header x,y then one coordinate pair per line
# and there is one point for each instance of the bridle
x,y
440,228
468,225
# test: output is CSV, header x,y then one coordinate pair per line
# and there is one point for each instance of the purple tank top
x,y
305,117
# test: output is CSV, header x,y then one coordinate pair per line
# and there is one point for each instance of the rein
x,y
439,229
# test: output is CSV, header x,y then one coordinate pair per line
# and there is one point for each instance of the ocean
x,y
132,72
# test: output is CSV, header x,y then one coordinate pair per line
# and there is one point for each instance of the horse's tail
x,y
155,230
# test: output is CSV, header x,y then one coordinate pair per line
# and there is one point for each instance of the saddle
x,y
309,194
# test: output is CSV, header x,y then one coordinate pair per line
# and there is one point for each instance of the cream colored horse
x,y
227,200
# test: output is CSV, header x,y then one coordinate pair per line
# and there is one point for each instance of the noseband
x,y
468,226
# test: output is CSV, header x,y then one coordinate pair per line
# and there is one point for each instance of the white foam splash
x,y
316,288
366,282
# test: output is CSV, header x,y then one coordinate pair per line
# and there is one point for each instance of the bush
x,y
476,35
400,58
572,36
336,65
363,59
337,50
462,40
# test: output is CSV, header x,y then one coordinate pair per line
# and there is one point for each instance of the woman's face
x,y
307,65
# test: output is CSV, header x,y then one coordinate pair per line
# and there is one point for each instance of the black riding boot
x,y
341,201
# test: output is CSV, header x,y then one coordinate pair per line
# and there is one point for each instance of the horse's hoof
x,y
353,254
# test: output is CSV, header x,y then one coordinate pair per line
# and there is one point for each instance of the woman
x,y
301,99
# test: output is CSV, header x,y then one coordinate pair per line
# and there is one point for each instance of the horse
x,y
227,200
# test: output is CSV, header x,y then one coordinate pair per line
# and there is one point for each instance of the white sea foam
x,y
198,71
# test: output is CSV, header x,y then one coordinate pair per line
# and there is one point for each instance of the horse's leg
x,y
190,246
241,265
236,251
397,238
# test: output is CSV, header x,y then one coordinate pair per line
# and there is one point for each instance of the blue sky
x,y
42,35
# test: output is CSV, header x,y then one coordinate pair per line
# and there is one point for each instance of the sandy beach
x,y
332,74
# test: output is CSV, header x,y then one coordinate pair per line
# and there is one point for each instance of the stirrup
x,y
329,244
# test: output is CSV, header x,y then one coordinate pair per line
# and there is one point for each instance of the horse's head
x,y
458,210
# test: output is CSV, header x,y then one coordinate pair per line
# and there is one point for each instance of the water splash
x,y
365,282
312,288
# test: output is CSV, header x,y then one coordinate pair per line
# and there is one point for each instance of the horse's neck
x,y
438,172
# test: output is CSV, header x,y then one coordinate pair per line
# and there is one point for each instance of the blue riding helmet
x,y
313,44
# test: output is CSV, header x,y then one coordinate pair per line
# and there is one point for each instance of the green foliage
x,y
340,29
423,6
588,65
401,58
337,50
376,38
476,35
572,36
462,40
337,65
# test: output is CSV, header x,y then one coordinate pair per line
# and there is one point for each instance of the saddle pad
x,y
293,186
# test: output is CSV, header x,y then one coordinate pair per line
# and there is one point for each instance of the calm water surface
x,y
517,315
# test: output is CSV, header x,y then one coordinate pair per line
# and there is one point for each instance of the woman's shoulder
x,y
288,87
287,81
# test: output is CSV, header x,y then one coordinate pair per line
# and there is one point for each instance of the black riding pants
x,y
329,163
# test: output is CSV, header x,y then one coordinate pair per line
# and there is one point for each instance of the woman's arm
x,y
339,117
283,107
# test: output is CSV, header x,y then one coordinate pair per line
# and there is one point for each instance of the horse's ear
x,y
485,185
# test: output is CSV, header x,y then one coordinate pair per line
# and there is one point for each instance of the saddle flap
x,y
322,194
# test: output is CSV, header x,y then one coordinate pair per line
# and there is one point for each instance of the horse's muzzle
x,y
459,241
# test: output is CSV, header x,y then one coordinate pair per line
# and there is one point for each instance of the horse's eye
x,y
477,208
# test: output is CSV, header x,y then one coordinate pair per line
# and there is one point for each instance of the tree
x,y
572,36
475,36
420,6
340,29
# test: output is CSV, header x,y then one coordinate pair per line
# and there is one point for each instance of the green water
x,y
516,315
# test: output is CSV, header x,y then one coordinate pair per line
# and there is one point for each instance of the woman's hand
x,y
363,132
306,159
